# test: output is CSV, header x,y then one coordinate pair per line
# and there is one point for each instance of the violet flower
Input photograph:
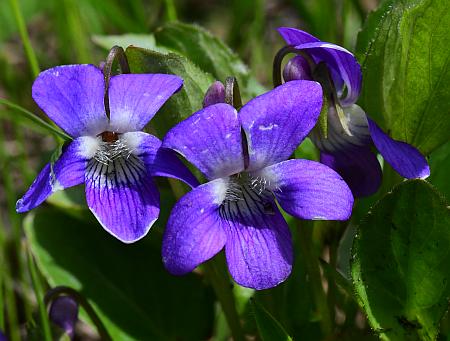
x,y
245,158
112,156
347,148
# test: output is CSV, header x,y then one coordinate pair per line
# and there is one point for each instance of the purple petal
x,y
215,94
158,161
359,168
194,232
72,96
135,98
404,158
344,66
211,140
258,249
309,190
277,122
3,337
64,313
66,172
123,197
297,68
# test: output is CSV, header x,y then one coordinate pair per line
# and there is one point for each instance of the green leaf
x,y
126,284
185,102
405,57
440,165
269,328
146,41
209,53
400,263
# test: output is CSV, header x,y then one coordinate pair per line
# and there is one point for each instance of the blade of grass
x,y
55,131
31,56
75,27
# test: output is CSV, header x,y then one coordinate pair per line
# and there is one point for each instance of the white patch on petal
x,y
335,47
270,178
89,146
220,189
269,127
56,185
132,141
121,123
202,210
227,136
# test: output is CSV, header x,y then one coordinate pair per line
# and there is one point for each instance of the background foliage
x,y
393,284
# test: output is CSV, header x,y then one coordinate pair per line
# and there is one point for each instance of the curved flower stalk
x,y
245,158
111,155
351,133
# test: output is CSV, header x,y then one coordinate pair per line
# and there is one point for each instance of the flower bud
x,y
215,94
64,313
297,69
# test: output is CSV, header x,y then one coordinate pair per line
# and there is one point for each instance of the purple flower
x,y
112,156
64,313
351,133
3,337
245,158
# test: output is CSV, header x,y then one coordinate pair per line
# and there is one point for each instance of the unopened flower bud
x,y
215,94
297,69
64,313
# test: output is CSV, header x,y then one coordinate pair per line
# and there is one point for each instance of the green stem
x,y
38,291
222,287
312,266
31,56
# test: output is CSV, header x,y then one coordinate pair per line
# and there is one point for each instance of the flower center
x,y
247,194
114,162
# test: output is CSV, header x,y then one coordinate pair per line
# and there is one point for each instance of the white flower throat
x,y
114,162
245,195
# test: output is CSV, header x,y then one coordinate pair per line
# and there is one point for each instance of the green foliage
x,y
440,166
405,56
146,41
269,328
127,285
400,263
208,52
188,100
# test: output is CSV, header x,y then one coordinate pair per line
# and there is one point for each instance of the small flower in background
x,y
347,147
215,94
111,155
245,158
3,337
64,313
